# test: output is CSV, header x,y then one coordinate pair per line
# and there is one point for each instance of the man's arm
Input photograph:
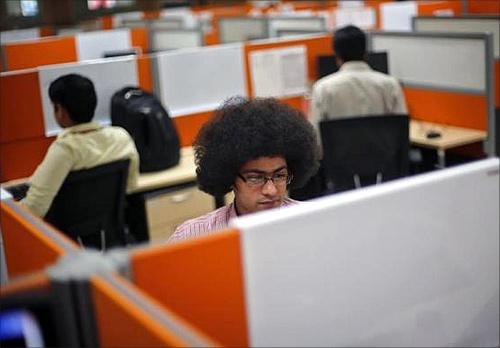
x,y
48,178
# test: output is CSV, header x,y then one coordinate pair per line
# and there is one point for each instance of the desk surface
x,y
450,136
184,172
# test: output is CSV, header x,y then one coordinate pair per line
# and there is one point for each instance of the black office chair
x,y
364,150
89,206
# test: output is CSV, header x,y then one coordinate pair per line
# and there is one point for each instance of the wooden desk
x,y
450,137
184,172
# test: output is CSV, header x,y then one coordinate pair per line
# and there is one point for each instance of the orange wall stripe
x,y
315,47
144,70
29,282
451,108
483,6
21,114
428,8
20,159
189,125
44,51
139,38
26,248
201,280
120,323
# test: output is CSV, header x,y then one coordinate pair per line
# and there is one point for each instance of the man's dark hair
x,y
349,43
243,130
76,94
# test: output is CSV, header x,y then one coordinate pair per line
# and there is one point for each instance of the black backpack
x,y
149,124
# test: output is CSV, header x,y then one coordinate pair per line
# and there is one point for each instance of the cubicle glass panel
x,y
169,39
239,29
462,24
441,56
317,24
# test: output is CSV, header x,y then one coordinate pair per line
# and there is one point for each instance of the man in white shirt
x,y
356,89
82,144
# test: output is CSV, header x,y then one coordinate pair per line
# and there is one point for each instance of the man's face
x,y
253,189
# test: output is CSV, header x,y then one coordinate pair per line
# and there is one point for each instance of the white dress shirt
x,y
355,90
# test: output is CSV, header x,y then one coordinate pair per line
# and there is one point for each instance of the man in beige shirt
x,y
82,144
356,89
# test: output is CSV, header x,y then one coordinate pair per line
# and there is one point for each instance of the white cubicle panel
x,y
462,24
119,18
93,44
397,15
362,17
413,262
279,72
240,29
169,39
436,60
199,79
19,35
296,23
108,76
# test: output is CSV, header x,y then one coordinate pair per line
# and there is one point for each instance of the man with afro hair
x,y
257,149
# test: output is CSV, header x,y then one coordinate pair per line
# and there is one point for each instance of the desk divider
x,y
200,280
435,88
30,244
44,51
126,317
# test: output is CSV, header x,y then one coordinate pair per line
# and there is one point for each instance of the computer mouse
x,y
432,134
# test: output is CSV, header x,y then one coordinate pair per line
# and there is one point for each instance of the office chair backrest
x,y
89,206
360,148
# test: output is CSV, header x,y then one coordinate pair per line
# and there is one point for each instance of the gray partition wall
x,y
240,29
461,24
454,62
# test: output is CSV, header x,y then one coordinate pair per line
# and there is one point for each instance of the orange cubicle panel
x,y
44,51
451,108
123,322
30,244
430,8
483,6
20,106
201,280
34,281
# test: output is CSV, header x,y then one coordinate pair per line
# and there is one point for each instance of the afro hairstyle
x,y
243,130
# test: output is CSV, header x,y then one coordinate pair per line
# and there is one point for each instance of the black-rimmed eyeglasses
x,y
257,180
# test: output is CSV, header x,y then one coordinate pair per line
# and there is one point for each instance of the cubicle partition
x,y
29,243
467,24
27,125
398,15
90,310
72,48
317,275
447,77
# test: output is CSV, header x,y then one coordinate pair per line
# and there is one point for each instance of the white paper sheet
x,y
279,72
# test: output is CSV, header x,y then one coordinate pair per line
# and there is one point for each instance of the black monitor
x,y
377,61
121,53
41,317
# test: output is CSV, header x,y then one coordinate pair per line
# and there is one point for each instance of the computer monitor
x,y
378,61
121,53
41,317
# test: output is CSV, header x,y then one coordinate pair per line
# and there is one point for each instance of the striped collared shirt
x,y
211,222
